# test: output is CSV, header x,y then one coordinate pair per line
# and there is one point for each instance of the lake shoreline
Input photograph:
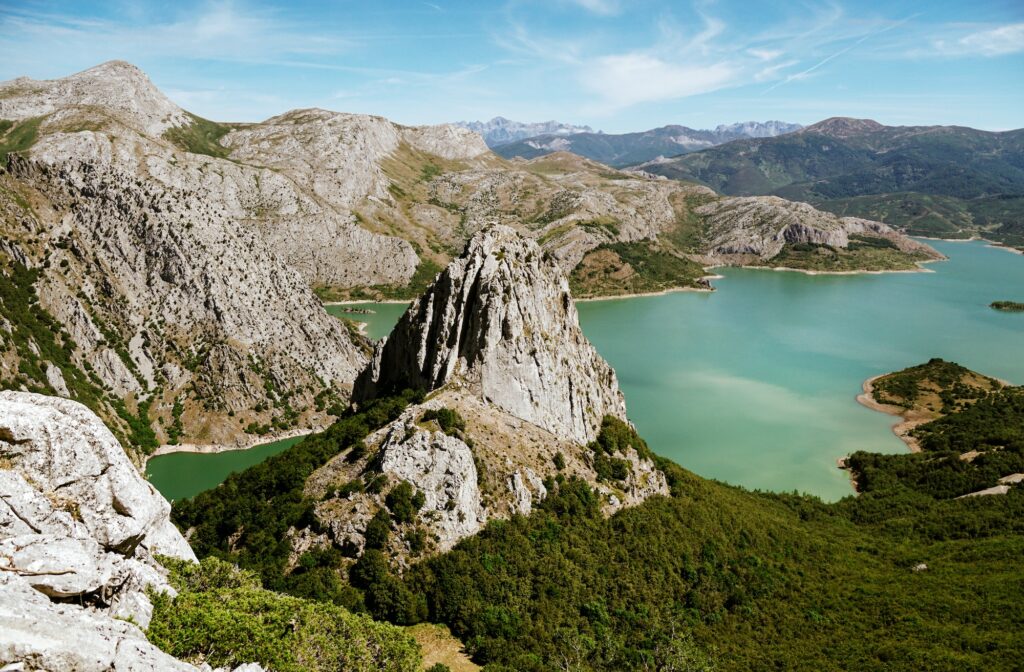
x,y
901,429
214,448
663,292
909,419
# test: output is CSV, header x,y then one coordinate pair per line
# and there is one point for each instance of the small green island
x,y
1008,306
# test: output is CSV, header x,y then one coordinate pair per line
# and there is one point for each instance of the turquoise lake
x,y
755,384
378,323
183,475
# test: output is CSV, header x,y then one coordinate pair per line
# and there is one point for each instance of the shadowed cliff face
x,y
500,321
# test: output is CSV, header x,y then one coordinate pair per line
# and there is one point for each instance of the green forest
x,y
900,577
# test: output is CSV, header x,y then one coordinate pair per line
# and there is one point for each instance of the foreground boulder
x,y
79,529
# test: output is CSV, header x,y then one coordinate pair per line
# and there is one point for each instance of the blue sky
x,y
617,65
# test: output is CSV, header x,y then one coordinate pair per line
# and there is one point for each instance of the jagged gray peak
x,y
501,320
500,131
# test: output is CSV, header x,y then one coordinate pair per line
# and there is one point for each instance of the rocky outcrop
x,y
501,321
442,468
79,529
762,225
517,396
79,532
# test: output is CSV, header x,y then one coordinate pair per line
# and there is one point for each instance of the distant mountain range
x,y
501,131
629,148
947,181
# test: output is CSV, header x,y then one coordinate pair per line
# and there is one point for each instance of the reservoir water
x,y
755,384
379,321
183,475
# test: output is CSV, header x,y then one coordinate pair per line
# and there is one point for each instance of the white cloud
x,y
622,80
1008,39
765,54
602,7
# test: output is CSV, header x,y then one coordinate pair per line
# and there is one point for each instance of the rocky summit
x,y
501,322
517,395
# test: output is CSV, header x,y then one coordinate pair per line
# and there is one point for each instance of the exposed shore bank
x,y
663,292
808,271
351,302
211,448
910,418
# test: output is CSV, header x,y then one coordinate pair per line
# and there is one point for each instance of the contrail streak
x,y
839,53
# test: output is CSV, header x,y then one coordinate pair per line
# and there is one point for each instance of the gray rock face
x,y
762,225
500,319
71,458
49,636
78,524
442,468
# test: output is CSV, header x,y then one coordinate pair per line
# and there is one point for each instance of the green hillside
x,y
936,180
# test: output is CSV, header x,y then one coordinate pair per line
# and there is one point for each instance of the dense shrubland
x,y
711,577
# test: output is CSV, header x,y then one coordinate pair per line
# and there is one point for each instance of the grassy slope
x,y
202,136
17,136
224,617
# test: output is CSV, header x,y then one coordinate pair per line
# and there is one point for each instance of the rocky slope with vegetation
x,y
942,181
709,577
512,399
94,576
131,282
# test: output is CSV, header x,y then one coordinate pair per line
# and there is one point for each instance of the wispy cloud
x,y
601,7
1008,39
627,79
220,30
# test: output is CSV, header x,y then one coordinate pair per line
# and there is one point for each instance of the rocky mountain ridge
x,y
936,181
501,131
624,149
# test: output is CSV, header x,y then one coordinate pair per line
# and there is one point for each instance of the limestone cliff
x,y
174,307
501,322
762,225
517,396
